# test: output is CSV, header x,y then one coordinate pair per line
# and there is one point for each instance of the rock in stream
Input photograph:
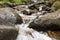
x,y
9,16
8,32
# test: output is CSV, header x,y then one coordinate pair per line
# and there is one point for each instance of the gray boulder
x,y
9,16
8,32
50,21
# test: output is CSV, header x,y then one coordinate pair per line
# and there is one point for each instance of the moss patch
x,y
56,5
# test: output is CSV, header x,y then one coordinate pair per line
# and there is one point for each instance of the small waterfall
x,y
26,33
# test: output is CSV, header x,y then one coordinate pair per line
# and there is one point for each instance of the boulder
x,y
49,21
26,12
8,32
29,12
9,16
34,6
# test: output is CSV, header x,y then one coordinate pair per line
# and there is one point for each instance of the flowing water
x,y
26,33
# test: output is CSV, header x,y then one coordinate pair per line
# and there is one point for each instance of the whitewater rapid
x,y
30,34
26,33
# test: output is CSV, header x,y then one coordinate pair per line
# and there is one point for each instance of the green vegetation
x,y
15,1
12,1
52,1
5,1
56,5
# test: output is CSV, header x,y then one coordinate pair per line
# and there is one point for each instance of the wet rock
x,y
8,32
34,6
11,4
50,21
29,12
9,16
26,12
54,34
20,6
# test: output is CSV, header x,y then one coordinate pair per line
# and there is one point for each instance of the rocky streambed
x,y
29,22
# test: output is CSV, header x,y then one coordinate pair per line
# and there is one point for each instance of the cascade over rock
x,y
49,23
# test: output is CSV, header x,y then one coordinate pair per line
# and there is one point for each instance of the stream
x,y
26,33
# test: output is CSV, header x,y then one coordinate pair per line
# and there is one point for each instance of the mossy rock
x,y
56,5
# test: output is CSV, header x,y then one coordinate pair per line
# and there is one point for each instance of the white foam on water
x,y
26,33
33,35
